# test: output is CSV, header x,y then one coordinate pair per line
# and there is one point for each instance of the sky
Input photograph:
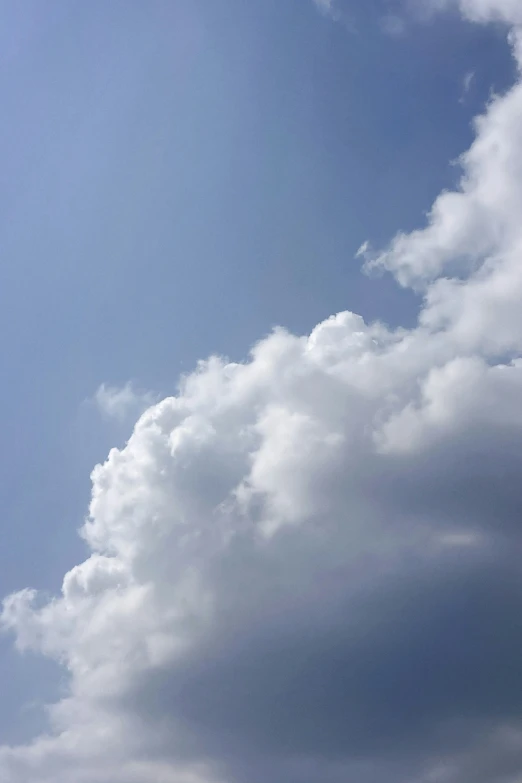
x,y
261,332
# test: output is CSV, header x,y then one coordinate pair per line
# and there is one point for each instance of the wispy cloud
x,y
338,13
467,83
326,6
393,25
121,402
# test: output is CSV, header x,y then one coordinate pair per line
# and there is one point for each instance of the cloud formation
x,y
467,84
507,11
325,5
121,402
306,566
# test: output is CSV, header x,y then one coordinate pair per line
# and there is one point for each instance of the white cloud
x,y
467,83
334,9
509,11
121,402
473,231
326,6
305,567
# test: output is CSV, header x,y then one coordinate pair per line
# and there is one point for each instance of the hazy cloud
x,y
467,83
121,402
393,25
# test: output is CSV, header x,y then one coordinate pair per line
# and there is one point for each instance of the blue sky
x,y
178,178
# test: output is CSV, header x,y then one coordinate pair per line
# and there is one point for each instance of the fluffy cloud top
x,y
306,566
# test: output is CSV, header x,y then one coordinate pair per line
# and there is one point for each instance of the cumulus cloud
x,y
470,228
305,566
